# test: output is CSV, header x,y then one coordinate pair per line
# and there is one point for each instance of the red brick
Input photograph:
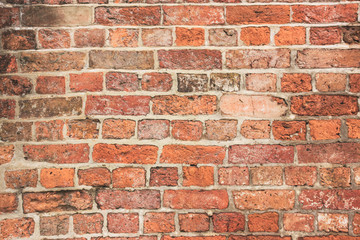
x,y
296,82
198,176
227,82
255,36
6,153
83,129
50,85
196,199
341,199
8,64
88,223
221,130
194,222
8,202
354,82
116,153
335,58
357,176
18,40
159,37
353,126
132,16
118,81
117,105
324,105
190,36
325,129
194,238
223,37
128,177
50,38
329,153
298,222
325,35
192,154
330,82
290,36
7,108
16,228
184,105
159,222
193,15
333,222
21,178
261,82
257,58
59,201
233,176
238,15
86,82
118,129
96,177
137,199
153,129
157,82
59,153
123,222
324,13
186,130
266,176
335,177
9,17
15,85
300,176
190,59
57,177
54,225
257,237
356,223
145,237
124,37
250,154
164,176
49,130
289,130
228,222
15,131
264,199
252,106
254,129
264,222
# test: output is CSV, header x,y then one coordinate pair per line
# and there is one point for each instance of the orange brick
x,y
190,36
128,177
290,36
325,129
198,176
57,177
255,35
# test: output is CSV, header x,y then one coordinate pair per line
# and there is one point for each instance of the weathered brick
x,y
227,82
354,82
153,129
257,237
333,222
192,154
89,37
51,61
351,34
112,59
138,199
116,153
356,223
325,129
290,36
186,130
159,37
324,105
296,82
335,58
263,222
190,59
119,81
189,36
60,201
264,199
184,105
97,177
15,131
223,37
159,222
124,37
260,14
50,85
325,35
266,175
57,177
335,177
9,17
132,16
157,82
194,238
164,176
330,82
353,126
8,64
86,82
118,129
221,130
88,223
196,199
233,176
194,222
18,39
6,153
50,38
59,153
193,15
289,130
228,222
8,202
258,58
254,129
198,176
49,130
329,153
16,228
21,178
54,225
298,222
192,82
117,105
255,36
83,129
123,222
261,82
300,176
357,176
128,177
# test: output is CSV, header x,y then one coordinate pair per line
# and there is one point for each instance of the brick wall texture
x,y
180,120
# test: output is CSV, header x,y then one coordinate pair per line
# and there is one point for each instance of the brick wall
x,y
180,120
